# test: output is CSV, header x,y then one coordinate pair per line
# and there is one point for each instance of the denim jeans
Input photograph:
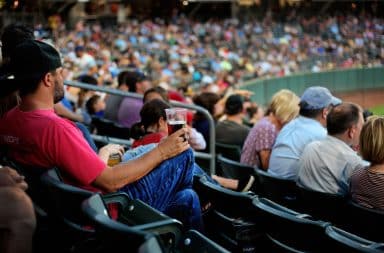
x,y
168,187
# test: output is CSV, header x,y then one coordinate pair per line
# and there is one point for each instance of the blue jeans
x,y
168,188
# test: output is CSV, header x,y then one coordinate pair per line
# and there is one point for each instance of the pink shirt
x,y
261,137
42,139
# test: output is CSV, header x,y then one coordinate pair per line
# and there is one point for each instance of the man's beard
x,y
59,92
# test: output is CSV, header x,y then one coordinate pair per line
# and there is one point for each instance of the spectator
x,y
231,130
283,108
17,216
165,184
129,110
95,106
326,165
208,101
13,35
315,104
196,139
153,125
155,92
113,101
367,183
254,113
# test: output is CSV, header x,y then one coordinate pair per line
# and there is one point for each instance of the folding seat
x,y
277,189
241,172
230,219
69,227
365,222
67,200
292,231
137,229
193,242
347,242
229,151
324,206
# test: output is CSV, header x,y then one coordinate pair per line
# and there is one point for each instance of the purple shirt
x,y
261,137
129,111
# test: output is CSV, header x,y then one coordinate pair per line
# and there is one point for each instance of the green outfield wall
x,y
338,81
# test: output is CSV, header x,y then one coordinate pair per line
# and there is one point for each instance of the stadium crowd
x,y
186,53
200,63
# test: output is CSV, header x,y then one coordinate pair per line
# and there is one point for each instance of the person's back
x,y
367,183
51,133
283,108
232,133
112,102
129,110
327,165
231,130
309,126
290,143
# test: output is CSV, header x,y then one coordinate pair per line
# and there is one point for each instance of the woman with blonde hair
x,y
367,184
283,107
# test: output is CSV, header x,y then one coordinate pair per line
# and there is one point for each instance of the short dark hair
x,y
234,104
342,117
309,113
89,105
130,78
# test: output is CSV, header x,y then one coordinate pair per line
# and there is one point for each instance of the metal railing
x,y
209,156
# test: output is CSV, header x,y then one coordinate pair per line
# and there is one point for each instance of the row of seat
x,y
71,219
89,220
339,210
248,222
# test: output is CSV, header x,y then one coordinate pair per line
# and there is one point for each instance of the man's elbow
x,y
109,188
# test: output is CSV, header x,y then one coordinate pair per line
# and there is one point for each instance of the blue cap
x,y
317,97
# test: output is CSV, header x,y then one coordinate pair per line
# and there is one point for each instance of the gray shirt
x,y
229,132
112,105
327,165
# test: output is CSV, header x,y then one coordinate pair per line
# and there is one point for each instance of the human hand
x,y
110,149
10,177
174,144
196,139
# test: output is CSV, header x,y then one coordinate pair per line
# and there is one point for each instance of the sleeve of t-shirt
x,y
70,152
265,137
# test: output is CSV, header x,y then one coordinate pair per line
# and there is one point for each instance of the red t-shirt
x,y
42,139
149,138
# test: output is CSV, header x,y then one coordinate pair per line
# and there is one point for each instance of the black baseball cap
x,y
32,59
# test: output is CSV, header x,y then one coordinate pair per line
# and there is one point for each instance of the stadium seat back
x,y
139,216
236,170
277,189
365,222
290,230
347,242
324,206
113,235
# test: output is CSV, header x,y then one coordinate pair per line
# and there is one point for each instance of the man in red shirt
x,y
34,135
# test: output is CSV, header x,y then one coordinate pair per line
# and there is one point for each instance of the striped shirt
x,y
367,188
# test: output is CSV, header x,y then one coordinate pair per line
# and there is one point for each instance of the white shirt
x,y
327,166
